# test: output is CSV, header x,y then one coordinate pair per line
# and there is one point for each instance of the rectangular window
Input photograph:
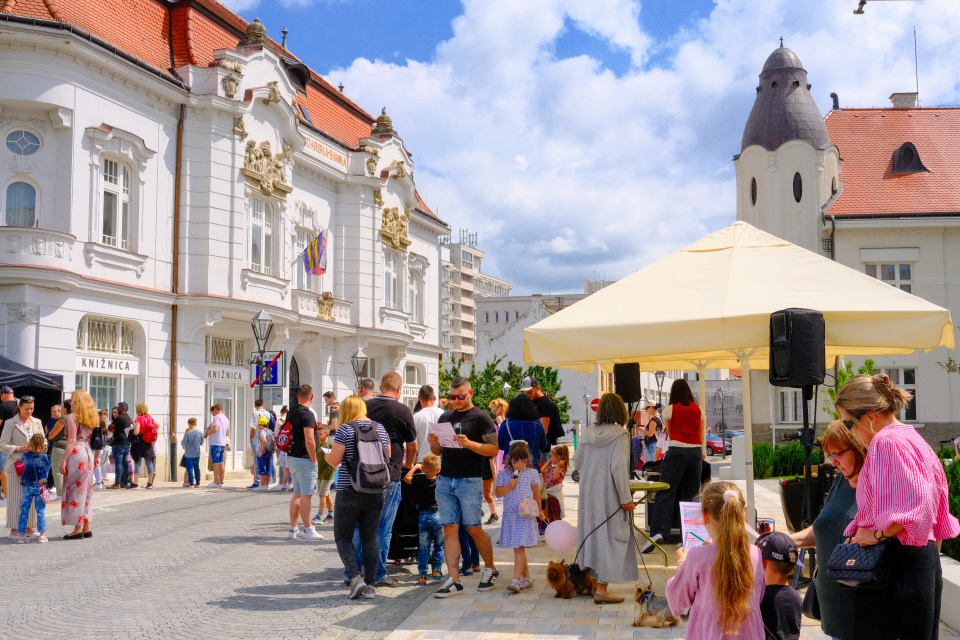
x,y
487,314
415,295
391,293
303,280
225,352
516,315
791,409
897,274
115,194
496,316
905,378
261,237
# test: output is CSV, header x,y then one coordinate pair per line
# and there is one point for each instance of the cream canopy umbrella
x,y
723,289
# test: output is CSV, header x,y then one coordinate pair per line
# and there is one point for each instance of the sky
x,y
586,140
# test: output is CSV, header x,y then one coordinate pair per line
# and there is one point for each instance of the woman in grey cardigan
x,y
17,432
603,461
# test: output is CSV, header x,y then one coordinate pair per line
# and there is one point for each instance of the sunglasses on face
x,y
834,457
459,396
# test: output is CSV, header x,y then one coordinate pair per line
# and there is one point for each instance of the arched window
x,y
21,205
797,187
753,191
115,194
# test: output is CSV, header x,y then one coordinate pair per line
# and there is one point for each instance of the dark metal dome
x,y
784,109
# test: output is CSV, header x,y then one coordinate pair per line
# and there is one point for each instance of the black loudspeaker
x,y
626,382
797,348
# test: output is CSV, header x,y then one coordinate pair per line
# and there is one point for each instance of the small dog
x,y
568,580
654,611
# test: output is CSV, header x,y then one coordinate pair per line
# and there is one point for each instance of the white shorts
x,y
282,460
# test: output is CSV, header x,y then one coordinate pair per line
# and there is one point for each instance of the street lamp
x,y
505,389
262,325
359,363
723,426
660,375
586,409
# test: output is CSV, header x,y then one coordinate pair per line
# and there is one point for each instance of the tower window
x,y
906,159
797,187
753,191
833,186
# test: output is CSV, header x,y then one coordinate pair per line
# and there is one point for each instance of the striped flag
x,y
315,255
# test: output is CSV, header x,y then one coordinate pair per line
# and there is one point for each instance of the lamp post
x,y
262,325
359,364
723,426
506,390
660,375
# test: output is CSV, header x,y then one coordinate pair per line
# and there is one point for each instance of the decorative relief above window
x,y
266,171
393,229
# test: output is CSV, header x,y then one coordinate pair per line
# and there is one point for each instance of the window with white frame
x,y
302,279
21,205
225,352
415,294
897,274
791,407
904,378
100,335
115,197
261,236
391,280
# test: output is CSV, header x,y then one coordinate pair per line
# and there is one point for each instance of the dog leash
x,y
636,542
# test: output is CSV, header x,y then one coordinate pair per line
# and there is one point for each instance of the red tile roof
x,y
867,139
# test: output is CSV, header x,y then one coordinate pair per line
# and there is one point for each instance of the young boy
x,y
324,476
424,495
781,605
191,442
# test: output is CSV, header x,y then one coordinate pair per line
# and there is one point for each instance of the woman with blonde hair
x,y
721,583
352,507
901,501
77,466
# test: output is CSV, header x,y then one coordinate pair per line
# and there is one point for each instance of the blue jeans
x,y
391,501
468,548
430,533
650,451
31,495
273,471
122,473
193,469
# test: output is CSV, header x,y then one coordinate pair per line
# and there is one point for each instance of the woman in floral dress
x,y
77,467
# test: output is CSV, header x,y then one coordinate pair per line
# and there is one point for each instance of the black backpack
x,y
368,472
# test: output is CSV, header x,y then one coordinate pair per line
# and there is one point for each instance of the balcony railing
x,y
324,307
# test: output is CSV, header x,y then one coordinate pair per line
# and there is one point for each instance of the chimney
x,y
904,100
836,101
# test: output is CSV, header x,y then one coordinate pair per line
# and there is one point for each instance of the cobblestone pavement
x,y
175,563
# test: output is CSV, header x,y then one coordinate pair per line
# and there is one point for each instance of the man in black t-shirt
x,y
121,428
302,460
8,409
549,414
460,488
397,421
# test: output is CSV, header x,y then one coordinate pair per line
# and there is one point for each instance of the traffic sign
x,y
595,403
274,369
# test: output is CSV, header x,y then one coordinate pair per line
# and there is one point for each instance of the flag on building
x,y
315,255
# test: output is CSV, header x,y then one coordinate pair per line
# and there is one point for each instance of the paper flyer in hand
x,y
445,434
691,525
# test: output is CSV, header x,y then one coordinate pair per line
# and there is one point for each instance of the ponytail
x,y
732,570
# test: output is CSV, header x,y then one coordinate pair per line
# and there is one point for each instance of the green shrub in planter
x,y
762,460
788,460
945,453
952,547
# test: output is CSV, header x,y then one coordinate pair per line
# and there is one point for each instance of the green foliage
x,y
946,453
762,460
843,374
788,460
488,383
952,547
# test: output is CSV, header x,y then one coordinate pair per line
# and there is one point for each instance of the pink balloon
x,y
560,535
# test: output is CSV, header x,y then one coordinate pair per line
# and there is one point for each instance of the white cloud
x,y
565,169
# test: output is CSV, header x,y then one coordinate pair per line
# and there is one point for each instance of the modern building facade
x,y
164,168
875,189
464,284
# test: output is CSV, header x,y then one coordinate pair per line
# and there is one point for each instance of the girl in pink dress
x,y
77,466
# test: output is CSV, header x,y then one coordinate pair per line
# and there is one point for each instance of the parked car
x,y
715,446
732,434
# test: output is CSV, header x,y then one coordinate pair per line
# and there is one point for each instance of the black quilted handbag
x,y
861,567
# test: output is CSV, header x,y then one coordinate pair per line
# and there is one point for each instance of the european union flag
x,y
315,255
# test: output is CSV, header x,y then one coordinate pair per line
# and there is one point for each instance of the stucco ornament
x,y
377,197
325,306
230,65
274,87
265,170
239,128
393,229
230,85
256,35
372,162
401,169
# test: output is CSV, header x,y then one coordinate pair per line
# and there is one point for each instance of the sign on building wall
x,y
274,370
107,364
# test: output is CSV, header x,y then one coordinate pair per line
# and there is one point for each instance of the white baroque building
x,y
163,169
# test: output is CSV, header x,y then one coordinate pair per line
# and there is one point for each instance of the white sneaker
x,y
293,533
311,534
220,486
98,485
262,487
213,485
648,546
273,487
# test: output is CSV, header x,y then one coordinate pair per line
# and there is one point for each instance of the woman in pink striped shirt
x,y
901,498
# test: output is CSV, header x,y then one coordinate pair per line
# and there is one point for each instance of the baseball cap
x,y
778,546
528,383
263,420
6,389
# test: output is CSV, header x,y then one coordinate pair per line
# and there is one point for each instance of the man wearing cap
x,y
652,431
549,414
781,605
8,409
258,412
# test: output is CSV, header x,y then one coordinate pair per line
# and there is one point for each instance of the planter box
x,y
949,612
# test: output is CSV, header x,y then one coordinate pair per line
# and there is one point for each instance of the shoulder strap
x,y
509,433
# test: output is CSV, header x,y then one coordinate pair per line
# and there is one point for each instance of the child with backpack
x,y
325,473
519,486
722,583
33,468
267,445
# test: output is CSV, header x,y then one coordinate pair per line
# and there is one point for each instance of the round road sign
x,y
595,403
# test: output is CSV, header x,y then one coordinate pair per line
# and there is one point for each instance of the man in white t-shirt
x,y
217,434
258,412
421,419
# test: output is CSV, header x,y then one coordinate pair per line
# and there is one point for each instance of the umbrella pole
x,y
701,376
744,355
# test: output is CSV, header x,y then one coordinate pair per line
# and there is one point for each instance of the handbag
x,y
811,603
45,495
861,567
96,440
18,466
183,461
527,508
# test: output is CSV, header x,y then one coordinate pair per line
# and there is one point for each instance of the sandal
x,y
606,599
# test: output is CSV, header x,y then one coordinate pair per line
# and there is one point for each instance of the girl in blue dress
x,y
514,484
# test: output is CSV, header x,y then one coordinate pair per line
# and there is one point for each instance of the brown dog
x,y
568,580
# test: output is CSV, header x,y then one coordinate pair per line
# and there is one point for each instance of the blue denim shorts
x,y
303,475
459,500
216,452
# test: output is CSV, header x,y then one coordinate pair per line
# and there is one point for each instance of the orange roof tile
x,y
867,139
423,205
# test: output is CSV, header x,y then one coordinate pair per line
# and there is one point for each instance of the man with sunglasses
x,y
460,487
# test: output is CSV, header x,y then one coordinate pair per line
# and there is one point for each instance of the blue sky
x,y
580,137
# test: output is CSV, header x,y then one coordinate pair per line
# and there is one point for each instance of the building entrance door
x,y
293,380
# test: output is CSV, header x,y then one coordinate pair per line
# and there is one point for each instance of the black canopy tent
x,y
46,388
